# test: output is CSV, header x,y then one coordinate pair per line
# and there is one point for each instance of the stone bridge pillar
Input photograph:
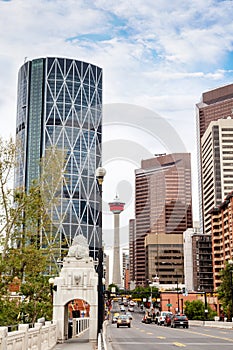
x,y
77,280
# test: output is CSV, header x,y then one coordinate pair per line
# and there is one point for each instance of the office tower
x,y
116,207
217,166
163,211
125,267
215,104
59,107
131,249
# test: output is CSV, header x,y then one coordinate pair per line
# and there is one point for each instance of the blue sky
x,y
160,55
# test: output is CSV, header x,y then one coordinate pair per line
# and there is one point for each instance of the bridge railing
x,y
40,337
80,325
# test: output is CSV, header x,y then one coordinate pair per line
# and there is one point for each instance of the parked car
x,y
179,320
123,320
161,317
167,320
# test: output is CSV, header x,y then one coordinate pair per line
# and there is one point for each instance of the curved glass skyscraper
x,y
59,107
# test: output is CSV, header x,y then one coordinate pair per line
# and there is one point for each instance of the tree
x,y
25,214
195,310
224,290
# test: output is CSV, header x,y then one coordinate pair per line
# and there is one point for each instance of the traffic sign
x,y
169,304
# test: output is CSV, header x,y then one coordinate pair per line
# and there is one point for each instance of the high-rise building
x,y
215,104
198,269
217,166
222,237
163,211
131,249
59,108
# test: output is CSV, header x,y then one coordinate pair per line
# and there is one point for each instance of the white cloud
x,y
157,54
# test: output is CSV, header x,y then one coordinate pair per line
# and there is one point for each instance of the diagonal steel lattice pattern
x,y
60,106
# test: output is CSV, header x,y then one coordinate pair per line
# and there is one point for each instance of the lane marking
x,y
180,345
211,336
160,337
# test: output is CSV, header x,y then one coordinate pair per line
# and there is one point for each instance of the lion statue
x,y
79,248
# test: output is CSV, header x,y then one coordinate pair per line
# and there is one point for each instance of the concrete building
x,y
222,237
59,109
215,104
163,211
188,258
202,266
125,268
131,249
198,268
217,166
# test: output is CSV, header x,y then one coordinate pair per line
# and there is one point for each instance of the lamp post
x,y
230,262
100,173
178,296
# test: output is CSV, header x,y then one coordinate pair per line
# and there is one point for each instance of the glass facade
x,y
60,107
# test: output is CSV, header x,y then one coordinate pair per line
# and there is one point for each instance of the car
x,y
123,320
179,320
122,308
129,315
167,320
146,318
131,309
161,317
115,317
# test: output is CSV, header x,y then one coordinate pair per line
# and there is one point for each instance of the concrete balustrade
x,y
40,337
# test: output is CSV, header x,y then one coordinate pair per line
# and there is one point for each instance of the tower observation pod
x,y
116,207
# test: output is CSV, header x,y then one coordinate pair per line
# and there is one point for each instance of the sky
x,y
157,56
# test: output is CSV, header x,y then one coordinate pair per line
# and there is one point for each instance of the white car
x,y
162,316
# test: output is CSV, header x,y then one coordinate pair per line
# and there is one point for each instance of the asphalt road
x,y
152,337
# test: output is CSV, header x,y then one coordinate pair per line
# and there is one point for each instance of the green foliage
x,y
36,298
25,255
145,292
9,311
224,290
113,286
195,310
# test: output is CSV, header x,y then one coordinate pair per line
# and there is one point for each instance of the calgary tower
x,y
116,207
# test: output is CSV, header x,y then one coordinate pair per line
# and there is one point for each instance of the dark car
x,y
167,320
179,320
123,320
146,319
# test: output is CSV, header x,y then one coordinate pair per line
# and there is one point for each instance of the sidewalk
x,y
80,343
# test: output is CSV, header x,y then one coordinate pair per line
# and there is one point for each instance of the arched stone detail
x,y
77,280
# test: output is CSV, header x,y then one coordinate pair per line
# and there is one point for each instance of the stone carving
x,y
77,279
79,248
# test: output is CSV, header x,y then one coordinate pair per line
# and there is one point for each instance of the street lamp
x,y
100,173
178,296
230,262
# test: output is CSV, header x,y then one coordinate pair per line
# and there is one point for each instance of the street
x,y
153,337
